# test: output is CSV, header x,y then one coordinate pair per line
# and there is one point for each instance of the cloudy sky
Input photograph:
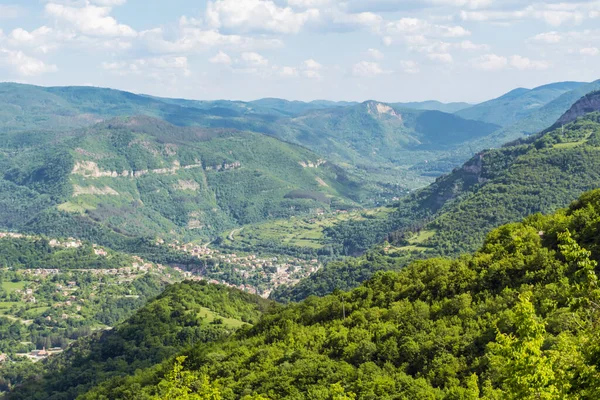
x,y
389,50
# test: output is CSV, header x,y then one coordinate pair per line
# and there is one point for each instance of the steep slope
x,y
517,104
143,177
514,320
378,132
452,215
185,314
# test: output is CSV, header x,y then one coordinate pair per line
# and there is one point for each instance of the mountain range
x,y
538,174
510,315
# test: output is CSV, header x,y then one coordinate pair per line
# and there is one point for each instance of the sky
x,y
354,50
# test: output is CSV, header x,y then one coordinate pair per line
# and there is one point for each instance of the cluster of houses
x,y
276,271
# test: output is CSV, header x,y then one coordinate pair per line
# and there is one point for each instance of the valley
x,y
159,228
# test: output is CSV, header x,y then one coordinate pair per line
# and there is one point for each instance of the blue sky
x,y
389,50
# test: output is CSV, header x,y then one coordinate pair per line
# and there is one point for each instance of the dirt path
x,y
233,232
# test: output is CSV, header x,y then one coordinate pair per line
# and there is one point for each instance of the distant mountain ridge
x,y
517,104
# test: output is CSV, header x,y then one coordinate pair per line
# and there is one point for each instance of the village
x,y
260,274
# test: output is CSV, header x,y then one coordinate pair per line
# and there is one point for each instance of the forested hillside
x,y
146,178
451,216
184,315
517,320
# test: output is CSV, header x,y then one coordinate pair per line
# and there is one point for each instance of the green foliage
x,y
512,320
494,188
180,317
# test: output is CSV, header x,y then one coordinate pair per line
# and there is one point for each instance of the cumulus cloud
x,y
524,63
368,69
311,69
256,16
552,13
254,59
288,72
409,66
23,64
90,20
375,54
490,62
221,58
189,38
421,27
493,62
158,68
443,58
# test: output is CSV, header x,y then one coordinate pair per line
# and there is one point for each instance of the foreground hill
x,y
515,320
185,314
144,177
452,215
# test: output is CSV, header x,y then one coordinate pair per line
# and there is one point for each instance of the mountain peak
x,y
587,104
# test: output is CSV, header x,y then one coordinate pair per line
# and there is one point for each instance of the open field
x,y
305,231
211,316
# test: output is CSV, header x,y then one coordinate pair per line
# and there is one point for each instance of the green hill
x,y
184,315
140,176
517,320
374,132
452,215
368,137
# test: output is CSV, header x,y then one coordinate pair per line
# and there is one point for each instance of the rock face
x,y
587,104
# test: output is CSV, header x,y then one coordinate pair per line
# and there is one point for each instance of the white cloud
x,y
311,69
23,64
254,59
368,69
42,39
256,16
309,3
490,62
421,27
524,63
387,41
548,37
109,3
158,68
90,20
443,58
493,62
191,39
409,66
221,58
375,54
552,13
288,72
590,51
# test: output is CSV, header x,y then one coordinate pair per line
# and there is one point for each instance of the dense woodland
x,y
512,312
539,174
517,319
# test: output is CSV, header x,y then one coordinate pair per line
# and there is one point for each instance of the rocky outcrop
x,y
310,164
380,109
90,169
224,166
81,190
587,104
